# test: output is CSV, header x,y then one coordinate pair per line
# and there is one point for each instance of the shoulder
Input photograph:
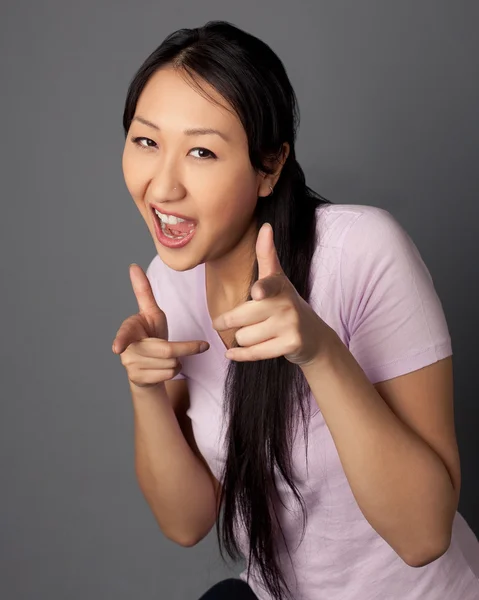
x,y
335,221
353,239
389,306
366,238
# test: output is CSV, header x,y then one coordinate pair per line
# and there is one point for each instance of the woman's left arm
x,y
403,470
395,439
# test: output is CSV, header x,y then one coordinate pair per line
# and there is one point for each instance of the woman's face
x,y
215,182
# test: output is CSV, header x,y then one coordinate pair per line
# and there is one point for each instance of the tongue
x,y
180,228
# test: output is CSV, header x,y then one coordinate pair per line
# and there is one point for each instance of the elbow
x,y
183,540
426,558
188,541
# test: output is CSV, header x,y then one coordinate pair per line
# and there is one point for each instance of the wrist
x,y
147,392
331,345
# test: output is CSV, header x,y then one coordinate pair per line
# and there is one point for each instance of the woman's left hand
x,y
277,322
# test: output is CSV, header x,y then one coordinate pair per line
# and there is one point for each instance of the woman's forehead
x,y
171,102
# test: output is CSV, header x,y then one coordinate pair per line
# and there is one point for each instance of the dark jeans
x,y
230,589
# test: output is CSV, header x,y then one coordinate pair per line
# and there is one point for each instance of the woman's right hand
x,y
142,340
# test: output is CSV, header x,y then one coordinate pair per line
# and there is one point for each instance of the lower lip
x,y
170,242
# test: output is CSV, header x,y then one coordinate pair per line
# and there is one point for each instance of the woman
x,y
311,313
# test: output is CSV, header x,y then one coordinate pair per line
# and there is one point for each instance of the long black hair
x,y
261,398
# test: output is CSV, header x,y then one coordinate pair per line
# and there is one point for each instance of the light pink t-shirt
x,y
372,287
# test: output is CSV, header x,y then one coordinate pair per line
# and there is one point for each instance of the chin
x,y
177,265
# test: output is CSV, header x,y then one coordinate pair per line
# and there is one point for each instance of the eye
x,y
138,142
204,150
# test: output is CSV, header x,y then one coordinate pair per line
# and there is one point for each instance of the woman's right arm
x,y
173,476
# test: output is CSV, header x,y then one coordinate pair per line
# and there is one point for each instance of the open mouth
x,y
177,231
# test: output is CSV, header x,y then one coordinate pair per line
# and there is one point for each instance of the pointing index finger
x,y
178,349
142,289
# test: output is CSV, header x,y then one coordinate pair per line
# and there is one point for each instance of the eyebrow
x,y
193,131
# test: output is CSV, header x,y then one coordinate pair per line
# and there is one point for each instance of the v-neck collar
x,y
214,336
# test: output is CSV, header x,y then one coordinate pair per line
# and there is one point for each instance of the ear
x,y
276,163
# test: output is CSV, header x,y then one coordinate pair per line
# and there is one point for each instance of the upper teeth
x,y
170,219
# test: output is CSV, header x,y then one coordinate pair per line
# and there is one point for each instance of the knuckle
x,y
166,350
290,315
170,363
294,342
294,318
134,375
170,373
125,358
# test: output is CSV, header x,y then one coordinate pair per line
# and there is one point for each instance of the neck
x,y
228,278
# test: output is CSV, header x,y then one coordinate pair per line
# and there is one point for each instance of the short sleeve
x,y
154,272
393,315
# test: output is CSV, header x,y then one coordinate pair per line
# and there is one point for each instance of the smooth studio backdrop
x,y
389,97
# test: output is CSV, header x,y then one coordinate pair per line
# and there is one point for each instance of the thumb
x,y
142,289
268,261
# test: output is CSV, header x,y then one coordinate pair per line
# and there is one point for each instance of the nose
x,y
164,191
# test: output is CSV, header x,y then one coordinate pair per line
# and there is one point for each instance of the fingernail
x,y
204,346
133,264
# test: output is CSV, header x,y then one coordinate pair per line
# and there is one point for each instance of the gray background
x,y
389,99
